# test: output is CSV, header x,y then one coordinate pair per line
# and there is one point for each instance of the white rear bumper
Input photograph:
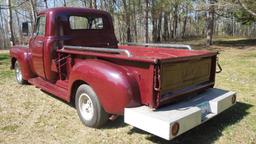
x,y
187,114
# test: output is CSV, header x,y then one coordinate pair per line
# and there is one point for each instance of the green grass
x,y
5,71
10,128
27,115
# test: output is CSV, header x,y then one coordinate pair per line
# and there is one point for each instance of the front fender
x,y
23,56
115,86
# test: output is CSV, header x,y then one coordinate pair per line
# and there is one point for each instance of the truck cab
x,y
73,54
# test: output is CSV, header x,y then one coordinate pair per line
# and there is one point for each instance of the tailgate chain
x,y
157,79
157,85
219,66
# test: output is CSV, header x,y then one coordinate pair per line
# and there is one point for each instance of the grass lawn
x,y
28,115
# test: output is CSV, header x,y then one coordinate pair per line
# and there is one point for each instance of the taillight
x,y
175,128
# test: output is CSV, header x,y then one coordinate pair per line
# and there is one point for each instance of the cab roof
x,y
58,10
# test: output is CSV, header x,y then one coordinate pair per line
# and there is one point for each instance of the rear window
x,y
85,23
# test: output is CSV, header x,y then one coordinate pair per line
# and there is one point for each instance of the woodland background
x,y
165,21
29,115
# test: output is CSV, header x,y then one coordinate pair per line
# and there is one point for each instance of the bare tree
x,y
91,4
95,4
46,4
146,21
246,8
18,22
10,22
210,23
175,20
135,21
33,10
5,44
185,21
127,20
64,3
166,28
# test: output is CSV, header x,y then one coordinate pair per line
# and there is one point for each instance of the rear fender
x,y
115,86
23,56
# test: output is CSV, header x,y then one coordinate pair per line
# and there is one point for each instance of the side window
x,y
40,25
96,23
85,23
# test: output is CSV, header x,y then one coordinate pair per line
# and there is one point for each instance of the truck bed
x,y
146,54
164,75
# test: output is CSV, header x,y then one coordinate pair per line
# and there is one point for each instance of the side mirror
x,y
25,28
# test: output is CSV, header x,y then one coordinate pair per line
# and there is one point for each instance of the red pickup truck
x,y
73,54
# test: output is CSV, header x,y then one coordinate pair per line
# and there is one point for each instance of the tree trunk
x,y
91,4
111,8
171,28
19,27
64,3
166,29
127,19
10,22
185,22
159,28
33,10
46,4
175,21
5,44
154,32
84,2
146,21
154,21
210,23
135,22
95,4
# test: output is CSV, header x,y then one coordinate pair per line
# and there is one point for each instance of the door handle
x,y
40,42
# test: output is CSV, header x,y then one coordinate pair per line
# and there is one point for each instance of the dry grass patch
x,y
28,115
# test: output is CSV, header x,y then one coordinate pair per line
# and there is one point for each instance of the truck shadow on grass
x,y
240,43
117,123
207,132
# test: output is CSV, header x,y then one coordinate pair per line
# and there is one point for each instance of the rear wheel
x,y
18,74
89,108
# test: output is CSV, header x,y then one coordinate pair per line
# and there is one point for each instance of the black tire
x,y
18,74
86,99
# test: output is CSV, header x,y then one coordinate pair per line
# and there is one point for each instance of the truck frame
x,y
164,89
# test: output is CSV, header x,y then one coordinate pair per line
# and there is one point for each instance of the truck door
x,y
37,46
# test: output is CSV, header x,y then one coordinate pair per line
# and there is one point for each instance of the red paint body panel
x,y
163,54
115,86
23,56
118,80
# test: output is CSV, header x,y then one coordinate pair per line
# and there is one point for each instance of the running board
x,y
171,121
50,88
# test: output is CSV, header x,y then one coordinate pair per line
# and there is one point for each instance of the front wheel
x,y
89,108
18,74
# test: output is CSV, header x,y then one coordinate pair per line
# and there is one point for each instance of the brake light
x,y
175,128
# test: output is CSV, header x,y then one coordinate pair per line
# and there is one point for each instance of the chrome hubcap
x,y
18,72
86,106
